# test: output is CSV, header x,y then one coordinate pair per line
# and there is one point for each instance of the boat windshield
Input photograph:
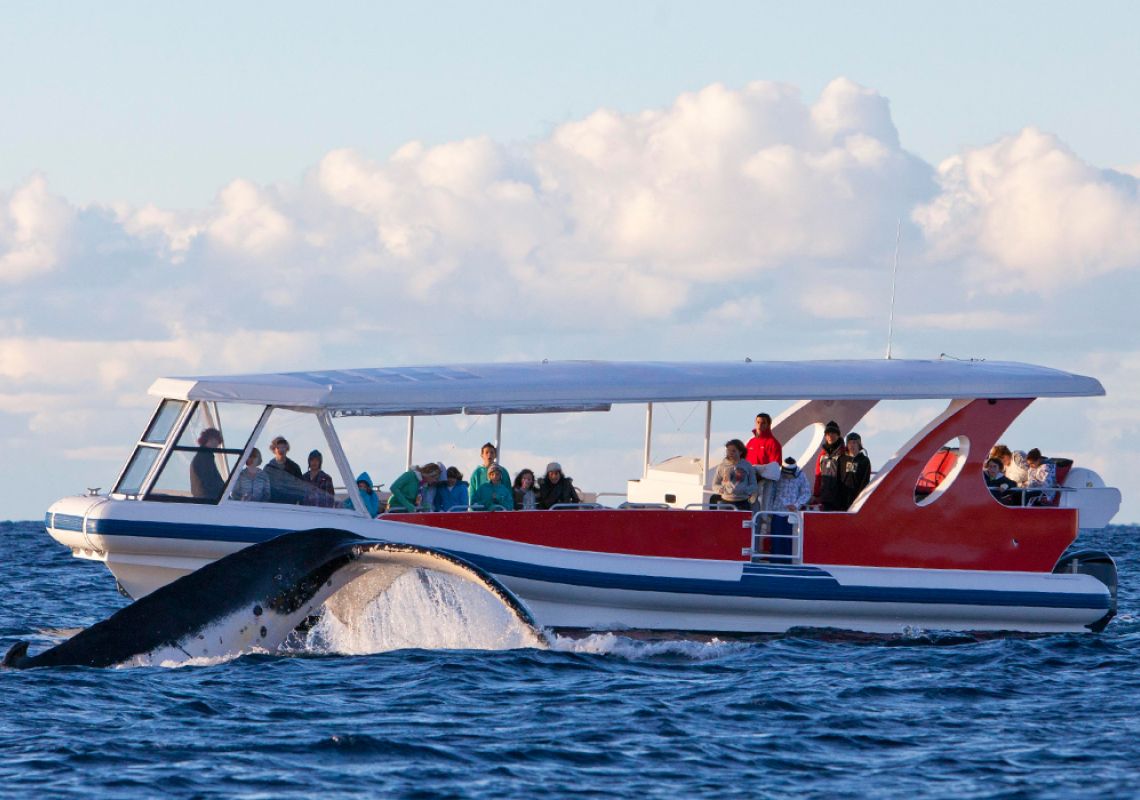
x,y
206,452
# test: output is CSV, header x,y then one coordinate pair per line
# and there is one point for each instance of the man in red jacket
x,y
763,447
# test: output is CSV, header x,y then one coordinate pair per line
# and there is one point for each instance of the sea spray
x,y
424,610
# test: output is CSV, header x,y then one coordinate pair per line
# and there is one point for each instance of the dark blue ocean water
x,y
793,716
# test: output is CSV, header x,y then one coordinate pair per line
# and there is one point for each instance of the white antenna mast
x,y
894,278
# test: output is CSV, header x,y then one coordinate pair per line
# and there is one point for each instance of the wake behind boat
x,y
924,544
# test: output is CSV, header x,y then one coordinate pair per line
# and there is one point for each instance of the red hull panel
x,y
719,535
963,528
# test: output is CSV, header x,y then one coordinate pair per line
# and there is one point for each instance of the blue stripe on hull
x,y
770,581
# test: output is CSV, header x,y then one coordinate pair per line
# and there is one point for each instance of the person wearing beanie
x,y
792,494
319,489
556,488
854,469
828,491
792,490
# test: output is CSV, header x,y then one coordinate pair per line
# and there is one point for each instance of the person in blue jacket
x,y
451,492
495,493
367,494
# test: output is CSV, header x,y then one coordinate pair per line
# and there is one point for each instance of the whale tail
x,y
255,598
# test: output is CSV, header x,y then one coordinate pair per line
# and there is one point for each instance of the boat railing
x,y
711,507
628,506
1048,495
782,544
580,506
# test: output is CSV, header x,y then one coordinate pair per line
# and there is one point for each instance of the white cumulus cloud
x,y
1028,207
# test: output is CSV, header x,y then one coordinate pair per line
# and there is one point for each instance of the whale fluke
x,y
256,597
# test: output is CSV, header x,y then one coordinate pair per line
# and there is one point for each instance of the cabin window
x,y
206,453
149,446
941,470
303,433
137,470
164,419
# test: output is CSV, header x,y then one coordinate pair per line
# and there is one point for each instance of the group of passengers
x,y
756,476
432,487
1017,478
282,481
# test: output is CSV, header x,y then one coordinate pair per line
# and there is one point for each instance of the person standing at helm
x,y
205,481
828,491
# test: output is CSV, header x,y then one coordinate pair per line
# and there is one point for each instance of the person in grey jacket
x,y
252,484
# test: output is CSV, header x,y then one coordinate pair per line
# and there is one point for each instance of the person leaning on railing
x,y
792,490
406,488
1042,475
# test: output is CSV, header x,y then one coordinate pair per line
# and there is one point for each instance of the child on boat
x,y
495,494
367,494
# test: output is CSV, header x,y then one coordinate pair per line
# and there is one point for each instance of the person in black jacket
x,y
285,484
854,469
1002,488
205,481
556,488
828,491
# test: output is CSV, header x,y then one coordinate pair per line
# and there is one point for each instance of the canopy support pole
x,y
648,436
411,438
708,437
499,437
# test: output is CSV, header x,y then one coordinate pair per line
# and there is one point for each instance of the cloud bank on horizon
x,y
733,222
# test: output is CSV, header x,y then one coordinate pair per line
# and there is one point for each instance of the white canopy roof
x,y
594,385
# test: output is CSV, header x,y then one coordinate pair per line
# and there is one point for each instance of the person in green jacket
x,y
406,488
490,455
495,493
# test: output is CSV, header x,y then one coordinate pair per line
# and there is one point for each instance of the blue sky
x,y
274,186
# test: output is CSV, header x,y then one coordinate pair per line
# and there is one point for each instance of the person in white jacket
x,y
793,491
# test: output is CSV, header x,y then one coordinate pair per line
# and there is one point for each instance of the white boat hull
x,y
148,545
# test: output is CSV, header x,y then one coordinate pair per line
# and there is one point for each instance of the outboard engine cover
x,y
1099,565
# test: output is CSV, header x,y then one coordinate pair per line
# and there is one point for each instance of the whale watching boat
x,y
925,545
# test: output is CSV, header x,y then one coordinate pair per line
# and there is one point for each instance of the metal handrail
x,y
1021,491
659,506
584,506
711,507
760,532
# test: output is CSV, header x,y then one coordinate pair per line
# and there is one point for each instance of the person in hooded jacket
x,y
319,490
854,469
494,495
828,491
452,492
488,454
367,494
763,448
406,488
556,488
